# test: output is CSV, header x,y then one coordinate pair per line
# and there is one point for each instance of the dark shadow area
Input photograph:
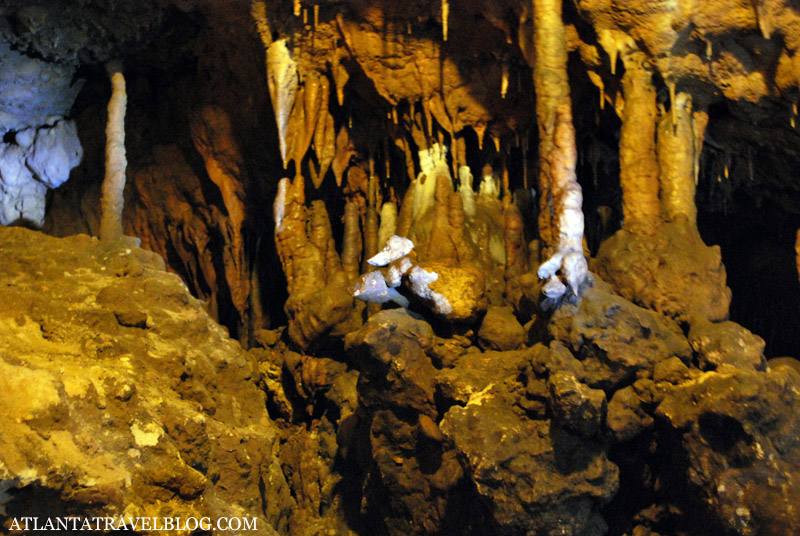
x,y
759,256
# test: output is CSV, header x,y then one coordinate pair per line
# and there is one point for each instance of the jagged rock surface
x,y
426,470
121,395
734,441
614,338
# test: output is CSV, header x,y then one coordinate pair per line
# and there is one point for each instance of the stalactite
x,y
116,161
561,216
445,16
699,124
762,19
340,75
344,152
324,142
671,85
676,157
637,152
258,11
282,81
480,130
504,81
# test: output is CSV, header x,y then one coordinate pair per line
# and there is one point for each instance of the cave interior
x,y
368,267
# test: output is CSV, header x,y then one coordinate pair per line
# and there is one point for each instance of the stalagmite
x,y
388,223
699,124
516,254
351,249
321,237
116,161
433,162
282,80
676,147
406,214
561,216
440,245
637,153
455,215
371,223
465,190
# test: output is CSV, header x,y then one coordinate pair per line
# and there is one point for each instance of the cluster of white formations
x,y
377,287
35,160
39,146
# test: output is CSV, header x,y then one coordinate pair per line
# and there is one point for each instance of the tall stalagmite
x,y
116,162
676,159
638,168
561,216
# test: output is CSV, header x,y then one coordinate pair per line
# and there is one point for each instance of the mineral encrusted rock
x,y
671,271
121,396
426,469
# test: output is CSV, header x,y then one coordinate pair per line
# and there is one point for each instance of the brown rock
x,y
102,418
500,330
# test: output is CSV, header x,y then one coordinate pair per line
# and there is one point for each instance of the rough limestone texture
x,y
538,476
671,271
500,330
488,465
120,396
415,481
726,343
735,444
614,338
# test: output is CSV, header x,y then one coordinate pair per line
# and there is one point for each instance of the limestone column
x,y
638,167
676,161
116,162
